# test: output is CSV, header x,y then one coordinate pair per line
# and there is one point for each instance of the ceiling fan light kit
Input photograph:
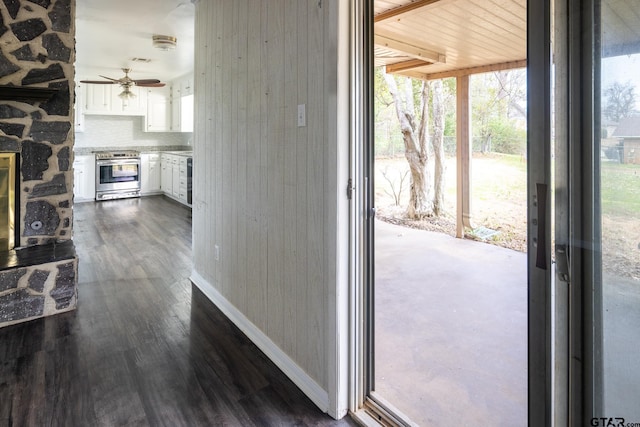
x,y
164,42
126,94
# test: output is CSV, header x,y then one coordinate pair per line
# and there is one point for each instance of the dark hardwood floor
x,y
144,347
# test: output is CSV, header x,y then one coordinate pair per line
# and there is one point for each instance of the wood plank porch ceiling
x,y
439,38
431,39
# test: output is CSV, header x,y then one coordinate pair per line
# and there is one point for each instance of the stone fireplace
x,y
38,263
8,203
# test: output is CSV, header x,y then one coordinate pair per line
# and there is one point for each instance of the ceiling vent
x,y
143,60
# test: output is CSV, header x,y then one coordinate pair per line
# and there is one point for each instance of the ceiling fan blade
x,y
109,78
98,82
151,84
146,81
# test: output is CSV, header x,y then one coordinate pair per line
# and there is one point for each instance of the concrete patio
x,y
451,328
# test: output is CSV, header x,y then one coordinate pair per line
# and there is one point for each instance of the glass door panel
x,y
619,204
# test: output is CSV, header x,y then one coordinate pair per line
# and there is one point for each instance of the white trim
x,y
308,385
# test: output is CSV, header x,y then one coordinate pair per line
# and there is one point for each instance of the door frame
x,y
540,396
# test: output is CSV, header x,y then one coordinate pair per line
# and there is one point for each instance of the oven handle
x,y
111,162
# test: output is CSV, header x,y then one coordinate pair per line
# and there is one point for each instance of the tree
x,y
621,100
426,186
438,147
499,115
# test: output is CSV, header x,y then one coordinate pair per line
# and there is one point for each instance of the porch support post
x,y
463,157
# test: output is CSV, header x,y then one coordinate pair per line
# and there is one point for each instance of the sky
x,y
622,69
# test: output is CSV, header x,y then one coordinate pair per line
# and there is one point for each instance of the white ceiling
x,y
109,34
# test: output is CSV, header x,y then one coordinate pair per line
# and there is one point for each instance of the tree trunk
x,y
416,147
438,147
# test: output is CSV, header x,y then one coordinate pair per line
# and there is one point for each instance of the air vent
x,y
145,60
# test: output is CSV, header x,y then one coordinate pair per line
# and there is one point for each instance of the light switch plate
x,y
302,115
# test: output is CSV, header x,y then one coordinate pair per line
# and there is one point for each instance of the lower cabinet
x,y
174,177
84,178
150,174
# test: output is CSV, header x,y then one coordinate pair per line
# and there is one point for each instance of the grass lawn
x,y
499,197
620,189
498,194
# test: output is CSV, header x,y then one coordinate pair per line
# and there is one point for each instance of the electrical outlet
x,y
216,252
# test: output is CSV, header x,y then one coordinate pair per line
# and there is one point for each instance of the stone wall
x,y
37,50
29,291
37,39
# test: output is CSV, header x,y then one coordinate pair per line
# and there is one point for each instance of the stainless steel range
x,y
117,174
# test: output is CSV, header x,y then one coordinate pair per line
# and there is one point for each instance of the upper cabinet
x,y
182,104
166,109
103,99
158,110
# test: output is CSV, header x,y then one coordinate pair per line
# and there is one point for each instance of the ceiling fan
x,y
126,83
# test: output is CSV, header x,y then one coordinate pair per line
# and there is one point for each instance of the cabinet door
x,y
84,178
158,110
166,178
175,107
78,109
176,180
154,173
136,106
186,86
182,191
150,179
98,99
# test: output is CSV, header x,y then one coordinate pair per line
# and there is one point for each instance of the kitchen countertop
x,y
174,149
180,153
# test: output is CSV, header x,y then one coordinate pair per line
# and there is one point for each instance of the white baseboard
x,y
308,385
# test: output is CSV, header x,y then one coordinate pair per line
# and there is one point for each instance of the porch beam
x,y
407,49
406,65
402,9
463,156
510,65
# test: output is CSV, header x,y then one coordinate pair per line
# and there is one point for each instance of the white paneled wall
x,y
268,193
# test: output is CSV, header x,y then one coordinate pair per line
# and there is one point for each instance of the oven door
x,y
117,174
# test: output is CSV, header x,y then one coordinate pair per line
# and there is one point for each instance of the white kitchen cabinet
x,y
136,106
158,110
182,100
150,173
103,99
175,107
84,178
97,99
78,110
174,180
175,186
182,180
186,85
166,176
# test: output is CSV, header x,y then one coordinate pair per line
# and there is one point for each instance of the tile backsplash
x,y
124,131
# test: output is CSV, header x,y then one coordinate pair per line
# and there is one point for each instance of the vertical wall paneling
x,y
267,191
263,285
290,182
243,146
219,62
275,138
302,144
315,187
199,158
255,297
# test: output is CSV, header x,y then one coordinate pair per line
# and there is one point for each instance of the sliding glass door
x,y
597,216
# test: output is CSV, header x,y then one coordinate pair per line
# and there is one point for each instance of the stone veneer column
x,y
37,50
